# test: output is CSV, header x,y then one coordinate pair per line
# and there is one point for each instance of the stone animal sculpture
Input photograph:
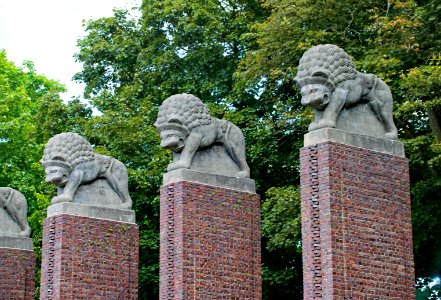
x,y
16,206
328,82
69,162
185,126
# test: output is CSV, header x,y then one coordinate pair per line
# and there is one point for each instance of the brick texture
x,y
17,274
356,224
89,258
210,243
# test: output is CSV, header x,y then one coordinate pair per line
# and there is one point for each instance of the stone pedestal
x,y
356,218
17,268
89,253
210,237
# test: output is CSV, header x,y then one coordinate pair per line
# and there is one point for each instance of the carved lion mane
x,y
67,150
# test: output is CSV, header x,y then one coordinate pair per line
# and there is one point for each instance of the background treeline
x,y
239,57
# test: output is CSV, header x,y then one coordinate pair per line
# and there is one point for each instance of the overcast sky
x,y
46,32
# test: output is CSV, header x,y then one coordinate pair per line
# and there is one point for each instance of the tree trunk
x,y
435,122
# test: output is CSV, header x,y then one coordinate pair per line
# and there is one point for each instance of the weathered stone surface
x,y
13,214
342,97
199,141
83,176
89,258
210,243
356,224
23,243
97,193
234,183
357,140
75,209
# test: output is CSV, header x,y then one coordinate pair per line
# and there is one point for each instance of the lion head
x,y
321,69
177,117
62,154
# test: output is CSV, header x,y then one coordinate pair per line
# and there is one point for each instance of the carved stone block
x,y
199,141
342,97
83,176
13,214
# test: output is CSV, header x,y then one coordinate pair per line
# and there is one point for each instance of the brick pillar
x,y
17,268
210,237
356,218
89,253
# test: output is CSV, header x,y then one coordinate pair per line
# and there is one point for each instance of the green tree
x,y
131,66
31,111
396,40
240,57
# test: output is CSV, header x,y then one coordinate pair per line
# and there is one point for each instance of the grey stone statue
x,y
199,141
13,215
330,84
83,176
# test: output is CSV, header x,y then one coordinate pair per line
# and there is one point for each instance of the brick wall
x,y
210,243
17,274
89,258
356,224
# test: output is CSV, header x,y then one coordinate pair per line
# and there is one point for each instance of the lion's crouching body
x,y
365,88
69,162
329,82
101,166
186,126
16,205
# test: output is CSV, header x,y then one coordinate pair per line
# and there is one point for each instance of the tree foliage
x,y
31,111
240,57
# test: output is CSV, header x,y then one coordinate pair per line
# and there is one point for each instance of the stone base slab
x,y
234,183
89,258
75,209
353,139
17,273
210,243
356,224
16,242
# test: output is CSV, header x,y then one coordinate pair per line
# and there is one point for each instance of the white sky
x,y
46,31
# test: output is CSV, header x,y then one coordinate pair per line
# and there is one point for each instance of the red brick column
x,y
89,258
356,223
17,274
210,243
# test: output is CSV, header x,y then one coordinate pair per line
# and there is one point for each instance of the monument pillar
x,y
89,253
17,268
210,237
210,213
356,217
90,239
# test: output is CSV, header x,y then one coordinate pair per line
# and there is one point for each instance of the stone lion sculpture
x,y
185,126
69,162
16,206
328,82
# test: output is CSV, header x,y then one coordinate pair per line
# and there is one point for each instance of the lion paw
x,y
243,174
325,124
392,135
178,165
61,198
25,233
126,205
312,126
